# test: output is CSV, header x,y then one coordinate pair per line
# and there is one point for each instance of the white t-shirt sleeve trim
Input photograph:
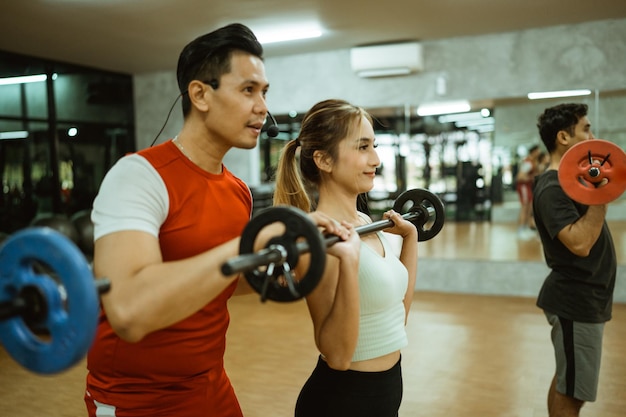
x,y
132,196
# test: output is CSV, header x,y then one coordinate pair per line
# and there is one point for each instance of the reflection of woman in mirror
x,y
528,169
543,161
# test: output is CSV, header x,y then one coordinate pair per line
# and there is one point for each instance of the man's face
x,y
582,131
238,109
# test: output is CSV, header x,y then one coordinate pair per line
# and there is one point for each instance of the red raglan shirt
x,y
205,210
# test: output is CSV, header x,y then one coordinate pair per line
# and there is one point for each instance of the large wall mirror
x,y
470,158
61,128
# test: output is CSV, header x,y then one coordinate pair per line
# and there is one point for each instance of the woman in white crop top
x,y
359,310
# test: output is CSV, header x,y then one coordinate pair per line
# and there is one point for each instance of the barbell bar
x,y
377,226
281,253
276,253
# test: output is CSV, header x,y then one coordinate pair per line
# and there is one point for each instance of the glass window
x,y
53,157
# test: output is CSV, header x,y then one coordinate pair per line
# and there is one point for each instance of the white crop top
x,y
382,285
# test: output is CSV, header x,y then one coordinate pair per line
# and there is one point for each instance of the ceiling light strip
x,y
17,134
23,79
557,94
459,117
443,108
475,122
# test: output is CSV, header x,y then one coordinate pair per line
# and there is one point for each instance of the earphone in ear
x,y
213,83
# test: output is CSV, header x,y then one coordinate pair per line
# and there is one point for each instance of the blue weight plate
x,y
71,320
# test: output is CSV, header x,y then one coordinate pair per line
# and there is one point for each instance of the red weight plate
x,y
593,172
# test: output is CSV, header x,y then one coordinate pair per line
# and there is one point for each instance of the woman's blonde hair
x,y
323,127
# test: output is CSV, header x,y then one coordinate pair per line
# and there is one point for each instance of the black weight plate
x,y
298,228
420,199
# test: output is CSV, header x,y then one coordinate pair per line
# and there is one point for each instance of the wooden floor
x,y
499,242
474,356
468,355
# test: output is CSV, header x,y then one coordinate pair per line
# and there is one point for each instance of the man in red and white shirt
x,y
165,219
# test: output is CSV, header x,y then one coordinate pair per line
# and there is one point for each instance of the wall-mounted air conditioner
x,y
387,60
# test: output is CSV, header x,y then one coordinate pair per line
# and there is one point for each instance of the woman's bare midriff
x,y
382,363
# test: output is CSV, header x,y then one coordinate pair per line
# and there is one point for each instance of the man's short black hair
x,y
557,118
207,57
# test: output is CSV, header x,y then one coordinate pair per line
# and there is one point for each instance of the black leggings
x,y
332,393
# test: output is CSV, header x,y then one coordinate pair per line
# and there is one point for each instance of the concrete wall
x,y
505,65
522,279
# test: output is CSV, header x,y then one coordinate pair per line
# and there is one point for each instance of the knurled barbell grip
x,y
379,225
276,254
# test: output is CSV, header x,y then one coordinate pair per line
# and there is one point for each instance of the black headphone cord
x,y
166,119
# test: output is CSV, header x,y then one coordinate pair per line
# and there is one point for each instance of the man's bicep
x,y
124,253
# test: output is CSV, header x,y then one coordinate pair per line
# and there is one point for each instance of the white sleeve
x,y
132,196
